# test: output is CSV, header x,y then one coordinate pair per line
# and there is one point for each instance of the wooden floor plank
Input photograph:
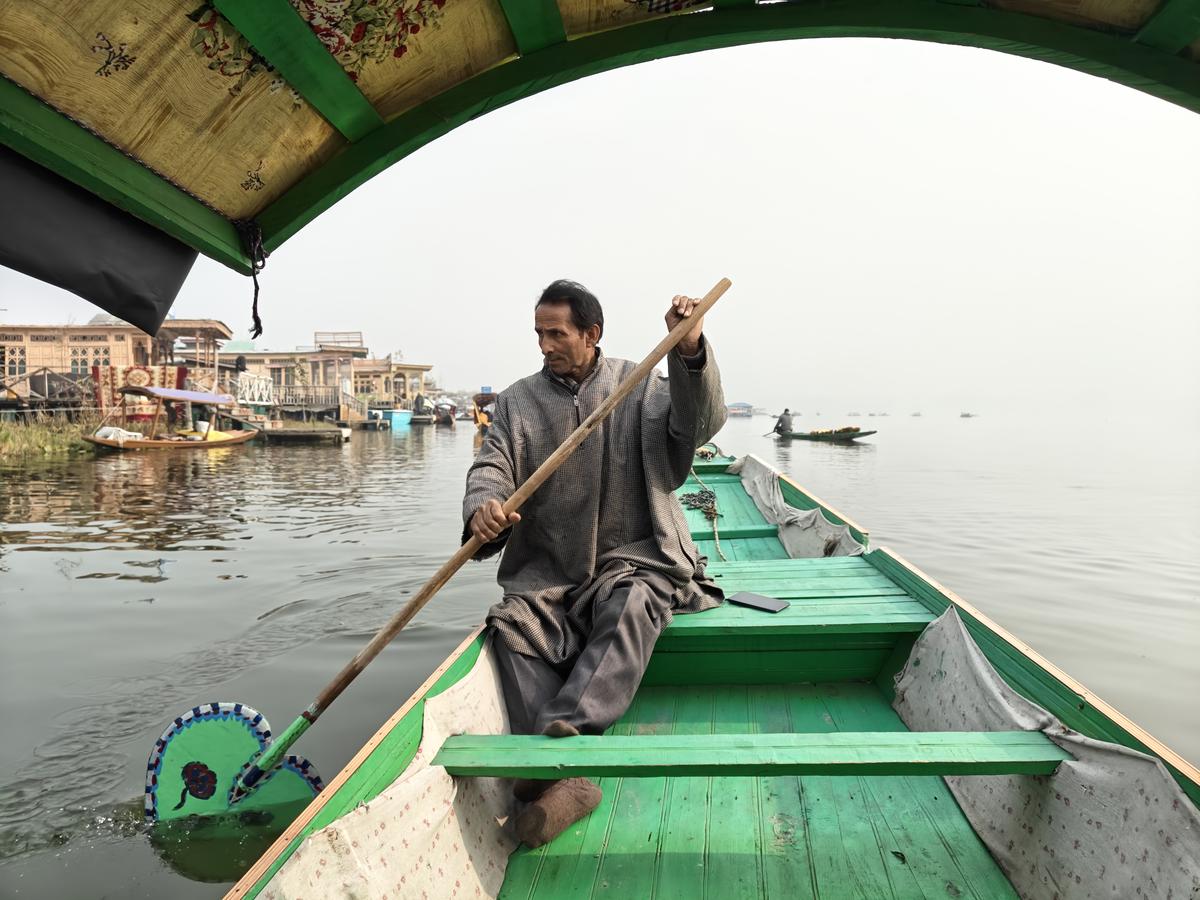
x,y
631,851
813,836
570,862
680,865
845,858
733,863
786,862
921,816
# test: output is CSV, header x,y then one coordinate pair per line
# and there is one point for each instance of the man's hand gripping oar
x,y
217,755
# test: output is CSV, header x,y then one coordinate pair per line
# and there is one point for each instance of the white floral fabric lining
x,y
1111,823
427,836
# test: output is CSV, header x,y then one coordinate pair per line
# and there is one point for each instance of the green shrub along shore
x,y
41,436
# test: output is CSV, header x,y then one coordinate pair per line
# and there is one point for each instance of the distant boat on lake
x,y
828,435
740,409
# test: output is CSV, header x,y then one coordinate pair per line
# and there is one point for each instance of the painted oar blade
x,y
196,763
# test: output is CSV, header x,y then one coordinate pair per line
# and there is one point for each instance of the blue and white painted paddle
x,y
220,758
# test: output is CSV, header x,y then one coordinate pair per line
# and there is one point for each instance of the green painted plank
x,y
1175,25
759,548
918,815
729,645
787,667
1023,674
712,467
284,39
844,855
667,755
681,849
50,139
871,615
733,865
802,565
629,861
535,24
786,860
727,533
816,588
567,866
718,477
1110,56
763,577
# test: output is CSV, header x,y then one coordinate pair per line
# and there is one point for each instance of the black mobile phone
x,y
758,601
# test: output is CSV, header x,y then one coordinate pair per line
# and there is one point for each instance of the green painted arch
x,y
1114,57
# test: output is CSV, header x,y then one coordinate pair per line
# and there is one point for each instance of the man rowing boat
x,y
601,556
783,425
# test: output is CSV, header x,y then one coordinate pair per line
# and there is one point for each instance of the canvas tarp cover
x,y
61,234
1111,823
804,533
428,834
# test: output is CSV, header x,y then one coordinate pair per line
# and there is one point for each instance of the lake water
x,y
133,586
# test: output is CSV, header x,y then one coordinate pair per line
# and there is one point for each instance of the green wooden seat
x,y
839,595
679,755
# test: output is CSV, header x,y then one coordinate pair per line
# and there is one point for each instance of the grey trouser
x,y
593,690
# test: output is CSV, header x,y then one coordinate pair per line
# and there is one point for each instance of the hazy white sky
x,y
907,226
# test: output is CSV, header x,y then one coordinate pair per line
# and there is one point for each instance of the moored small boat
x,y
482,407
878,732
203,437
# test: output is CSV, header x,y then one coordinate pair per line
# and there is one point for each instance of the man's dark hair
x,y
585,308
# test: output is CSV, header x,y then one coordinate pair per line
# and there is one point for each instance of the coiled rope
x,y
705,500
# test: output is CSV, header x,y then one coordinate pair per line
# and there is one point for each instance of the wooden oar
x,y
273,753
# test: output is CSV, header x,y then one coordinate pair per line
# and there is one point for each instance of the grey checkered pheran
x,y
608,510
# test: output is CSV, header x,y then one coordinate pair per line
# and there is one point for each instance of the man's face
x,y
566,350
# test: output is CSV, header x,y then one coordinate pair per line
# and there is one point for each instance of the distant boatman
x,y
784,424
601,556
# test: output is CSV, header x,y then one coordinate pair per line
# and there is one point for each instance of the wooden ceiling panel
x,y
401,53
1118,15
586,16
172,85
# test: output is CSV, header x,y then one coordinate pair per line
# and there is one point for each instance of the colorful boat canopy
x,y
179,396
200,116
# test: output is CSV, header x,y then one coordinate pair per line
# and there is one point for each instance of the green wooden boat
x,y
829,437
763,755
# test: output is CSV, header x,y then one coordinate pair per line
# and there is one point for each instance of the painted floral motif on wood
x,y
359,31
116,59
253,180
657,7
230,54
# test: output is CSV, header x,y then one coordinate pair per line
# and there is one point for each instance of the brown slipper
x,y
559,729
564,804
527,790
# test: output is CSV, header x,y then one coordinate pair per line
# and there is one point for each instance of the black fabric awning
x,y
61,234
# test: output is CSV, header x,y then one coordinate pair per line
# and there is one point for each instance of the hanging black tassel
x,y
251,235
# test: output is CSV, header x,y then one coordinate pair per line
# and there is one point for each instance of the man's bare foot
x,y
527,790
564,804
558,728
